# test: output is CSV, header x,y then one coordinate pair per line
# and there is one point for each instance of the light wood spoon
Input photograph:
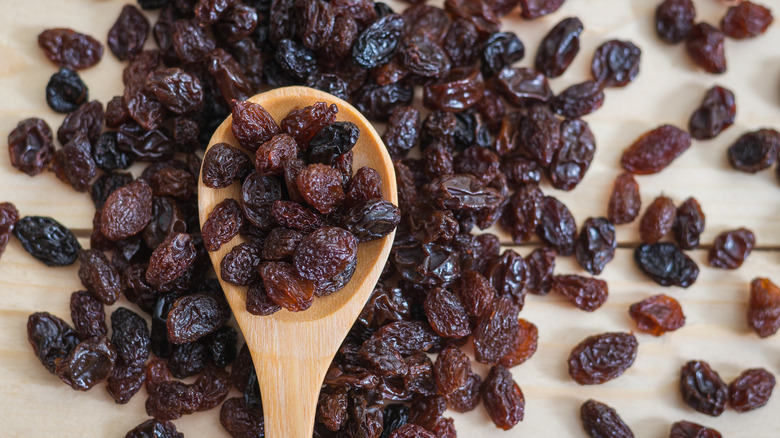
x,y
292,351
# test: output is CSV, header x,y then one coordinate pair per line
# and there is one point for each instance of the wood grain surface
x,y
668,88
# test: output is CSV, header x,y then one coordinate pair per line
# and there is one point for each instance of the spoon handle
x,y
290,388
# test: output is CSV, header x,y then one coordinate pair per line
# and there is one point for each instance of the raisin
x,y
423,57
624,202
540,264
425,22
755,151
252,125
411,431
258,194
321,187
222,224
224,164
523,86
446,314
125,381
601,358
596,244
222,346
586,293
764,307
523,212
73,163
126,211
540,131
559,47
666,264
716,112
556,226
705,45
616,63
47,240
688,224
507,275
496,331
9,216
280,244
657,314
99,276
128,34
51,338
459,90
372,219
154,428
331,141
403,131
194,316
65,91
30,146
239,266
655,150
531,9
70,49
171,259
325,253
524,346
229,75
657,220
573,157
579,100
702,388
746,20
187,359
190,41
378,42
106,154
602,421
504,401
210,11
731,248
176,89
241,419
303,124
285,287
173,399
501,49
751,390
674,20
88,363
452,370
686,429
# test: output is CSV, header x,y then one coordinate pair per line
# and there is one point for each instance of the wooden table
x,y
668,88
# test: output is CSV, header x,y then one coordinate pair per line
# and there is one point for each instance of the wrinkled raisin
x,y
601,358
731,248
702,388
657,314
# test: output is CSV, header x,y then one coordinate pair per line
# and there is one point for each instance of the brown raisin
x,y
705,45
655,150
601,358
602,421
717,111
657,314
504,401
751,390
731,248
688,224
702,388
764,307
746,20
624,202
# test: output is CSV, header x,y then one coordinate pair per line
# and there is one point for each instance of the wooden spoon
x,y
292,351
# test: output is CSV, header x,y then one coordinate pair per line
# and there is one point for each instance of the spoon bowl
x,y
291,351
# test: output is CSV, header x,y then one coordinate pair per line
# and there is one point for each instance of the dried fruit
x,y
717,111
657,220
30,146
746,20
731,248
688,224
587,293
601,358
602,421
70,49
47,240
686,429
657,314
66,91
674,20
624,202
755,151
88,363
503,398
616,63
559,47
702,388
596,244
764,307
51,338
751,390
655,150
126,211
705,45
666,264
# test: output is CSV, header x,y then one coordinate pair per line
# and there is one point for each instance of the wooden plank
x,y
669,87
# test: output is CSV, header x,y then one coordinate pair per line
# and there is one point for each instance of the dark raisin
x,y
222,346
125,381
496,331
237,23
501,49
47,240
601,358
731,248
126,211
674,20
716,112
531,9
154,428
229,75
655,150
522,86
459,90
258,194
666,264
751,390
746,20
88,364
411,431
702,388
372,219
602,421
755,151
51,338
705,45
540,264
224,164
239,266
378,42
65,91
296,60
172,399
503,398
624,202
540,131
657,314
446,314
130,336
331,141
30,146
764,307
688,224
559,47
176,89
280,244
522,213
241,419
616,63
507,275
99,276
222,224
171,259
556,226
209,11
70,49
106,154
128,34
596,244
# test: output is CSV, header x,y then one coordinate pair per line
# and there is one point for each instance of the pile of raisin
x,y
494,134
302,212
